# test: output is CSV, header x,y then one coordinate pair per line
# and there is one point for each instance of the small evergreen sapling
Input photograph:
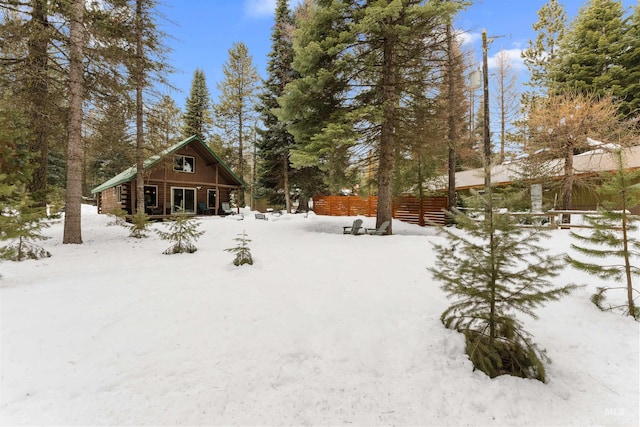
x,y
492,269
139,225
611,237
21,224
243,254
183,232
119,217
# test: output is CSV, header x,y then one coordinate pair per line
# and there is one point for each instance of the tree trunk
x,y
38,95
285,181
240,159
625,236
303,204
451,127
72,220
387,135
139,78
567,183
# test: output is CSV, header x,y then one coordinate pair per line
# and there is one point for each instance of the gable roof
x,y
590,162
130,173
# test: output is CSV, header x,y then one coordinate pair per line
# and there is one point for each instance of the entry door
x,y
183,200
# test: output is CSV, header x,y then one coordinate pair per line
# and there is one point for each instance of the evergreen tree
x,y
163,125
75,148
589,60
493,269
630,70
311,102
544,50
236,104
197,117
241,251
21,221
611,238
139,225
22,226
275,142
32,74
109,146
357,61
183,232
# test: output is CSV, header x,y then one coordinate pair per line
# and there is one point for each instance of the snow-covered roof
x,y
590,162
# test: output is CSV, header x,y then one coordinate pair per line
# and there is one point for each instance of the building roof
x,y
130,173
590,162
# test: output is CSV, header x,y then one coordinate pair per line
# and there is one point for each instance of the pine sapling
x,y
243,254
119,216
139,225
610,241
492,269
21,226
183,232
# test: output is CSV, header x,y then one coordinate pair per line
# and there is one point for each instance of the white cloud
x,y
512,55
262,8
259,8
466,38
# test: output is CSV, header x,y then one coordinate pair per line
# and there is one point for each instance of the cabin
x,y
589,168
187,177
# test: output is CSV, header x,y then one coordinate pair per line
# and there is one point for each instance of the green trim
x,y
128,174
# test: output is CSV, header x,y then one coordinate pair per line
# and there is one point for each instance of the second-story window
x,y
184,163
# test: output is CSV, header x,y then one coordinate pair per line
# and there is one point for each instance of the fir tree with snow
x,y
182,232
242,251
610,241
494,269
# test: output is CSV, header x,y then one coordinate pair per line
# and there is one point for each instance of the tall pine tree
x,y
197,116
630,70
235,110
543,51
275,142
364,58
589,59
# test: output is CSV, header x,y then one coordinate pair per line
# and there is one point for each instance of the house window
x,y
211,199
151,196
184,163
118,192
183,200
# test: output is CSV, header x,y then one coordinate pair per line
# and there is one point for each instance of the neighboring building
x,y
588,167
186,177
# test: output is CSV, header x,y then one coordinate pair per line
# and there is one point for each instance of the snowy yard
x,y
324,329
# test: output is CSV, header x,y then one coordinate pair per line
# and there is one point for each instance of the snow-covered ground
x,y
324,329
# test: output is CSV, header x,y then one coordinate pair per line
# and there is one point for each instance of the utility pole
x,y
253,172
486,135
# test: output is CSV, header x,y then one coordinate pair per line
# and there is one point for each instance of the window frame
x,y
155,194
179,162
184,189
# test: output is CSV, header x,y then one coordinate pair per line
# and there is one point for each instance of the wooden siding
x,y
408,209
207,174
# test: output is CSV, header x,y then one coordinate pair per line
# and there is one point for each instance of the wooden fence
x,y
407,208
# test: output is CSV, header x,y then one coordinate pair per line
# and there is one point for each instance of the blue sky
x,y
202,31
